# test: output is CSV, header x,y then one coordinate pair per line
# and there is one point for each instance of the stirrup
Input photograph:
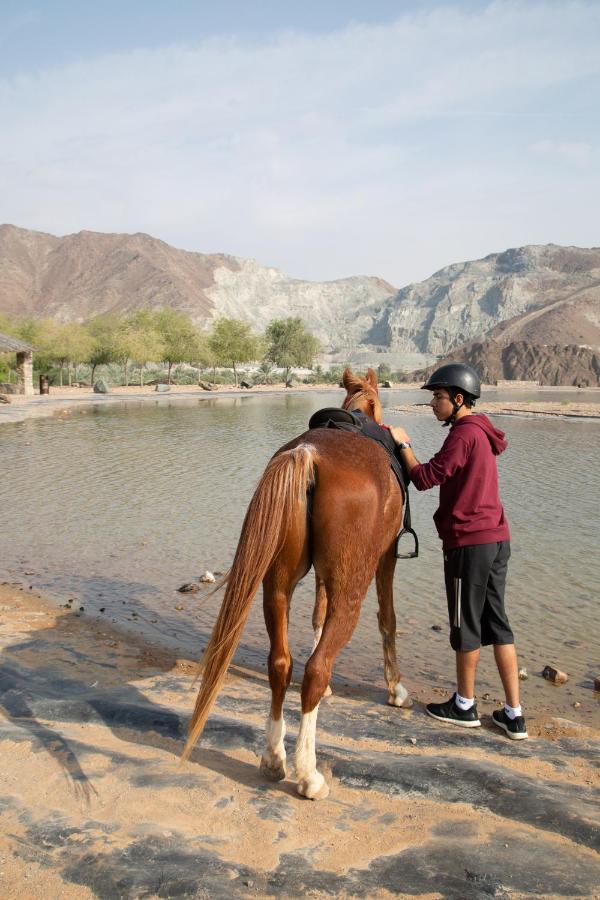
x,y
414,553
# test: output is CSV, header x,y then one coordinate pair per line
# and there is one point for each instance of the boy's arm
x,y
452,456
404,447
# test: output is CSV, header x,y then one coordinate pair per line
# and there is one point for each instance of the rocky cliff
x,y
539,294
523,361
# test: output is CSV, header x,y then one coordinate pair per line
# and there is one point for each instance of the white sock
x,y
463,702
512,711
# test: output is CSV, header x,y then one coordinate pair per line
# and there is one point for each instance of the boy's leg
x,y
506,660
466,666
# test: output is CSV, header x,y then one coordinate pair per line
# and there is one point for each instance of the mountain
x,y
538,294
81,275
523,361
534,296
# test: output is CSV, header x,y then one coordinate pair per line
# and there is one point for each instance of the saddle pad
x,y
360,423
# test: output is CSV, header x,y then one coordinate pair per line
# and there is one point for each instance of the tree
x,y
140,342
232,342
105,332
182,341
70,343
290,344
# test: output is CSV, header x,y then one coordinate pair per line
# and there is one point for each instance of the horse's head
x,y
362,394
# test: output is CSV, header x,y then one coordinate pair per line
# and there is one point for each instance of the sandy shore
x,y
94,802
61,400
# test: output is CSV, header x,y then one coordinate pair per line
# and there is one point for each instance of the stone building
x,y
24,353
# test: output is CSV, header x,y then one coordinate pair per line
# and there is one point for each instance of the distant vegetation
x,y
162,344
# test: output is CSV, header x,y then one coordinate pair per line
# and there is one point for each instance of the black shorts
x,y
475,579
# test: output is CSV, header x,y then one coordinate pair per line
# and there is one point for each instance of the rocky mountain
x,y
524,361
539,294
542,296
81,275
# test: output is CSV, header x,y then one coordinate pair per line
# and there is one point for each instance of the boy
x,y
476,542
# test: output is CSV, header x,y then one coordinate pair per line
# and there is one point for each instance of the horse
x,y
327,499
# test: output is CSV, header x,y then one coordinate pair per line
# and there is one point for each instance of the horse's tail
x,y
280,493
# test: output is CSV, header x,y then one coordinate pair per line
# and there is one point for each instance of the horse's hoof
x,y
313,788
399,697
272,768
328,692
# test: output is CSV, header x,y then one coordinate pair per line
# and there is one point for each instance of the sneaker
x,y
450,712
515,728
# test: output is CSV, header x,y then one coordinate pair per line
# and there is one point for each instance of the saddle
x,y
360,424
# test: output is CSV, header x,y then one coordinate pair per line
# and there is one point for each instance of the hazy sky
x,y
324,138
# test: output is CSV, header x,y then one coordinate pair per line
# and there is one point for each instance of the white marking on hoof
x,y
313,788
272,764
399,697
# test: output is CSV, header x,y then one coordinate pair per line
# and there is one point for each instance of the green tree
x,y
105,331
140,341
232,342
290,344
70,344
182,340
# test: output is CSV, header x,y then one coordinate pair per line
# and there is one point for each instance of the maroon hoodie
x,y
470,511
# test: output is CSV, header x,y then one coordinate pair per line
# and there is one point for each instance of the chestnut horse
x,y
348,535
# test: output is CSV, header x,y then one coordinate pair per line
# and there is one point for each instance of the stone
x,y
101,387
208,578
162,388
412,741
436,627
245,384
385,384
597,683
207,386
577,705
4,398
190,588
523,676
554,675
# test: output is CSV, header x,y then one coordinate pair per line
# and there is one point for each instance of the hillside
x,y
523,361
538,294
81,275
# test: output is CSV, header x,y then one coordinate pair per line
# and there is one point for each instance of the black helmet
x,y
455,375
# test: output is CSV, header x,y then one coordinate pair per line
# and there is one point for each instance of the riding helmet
x,y
455,375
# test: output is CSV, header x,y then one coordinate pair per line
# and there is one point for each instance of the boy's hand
x,y
399,435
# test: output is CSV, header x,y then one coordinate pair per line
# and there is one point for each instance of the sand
x,y
95,803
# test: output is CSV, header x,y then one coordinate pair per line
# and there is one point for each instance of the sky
x,y
327,139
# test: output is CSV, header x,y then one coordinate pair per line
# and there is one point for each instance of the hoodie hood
x,y
494,435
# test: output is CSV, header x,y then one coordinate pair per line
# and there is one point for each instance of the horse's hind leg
x,y
318,618
292,564
276,608
342,615
398,695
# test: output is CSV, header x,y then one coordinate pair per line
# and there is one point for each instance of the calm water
x,y
117,506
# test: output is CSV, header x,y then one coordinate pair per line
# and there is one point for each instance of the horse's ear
x,y
372,378
351,382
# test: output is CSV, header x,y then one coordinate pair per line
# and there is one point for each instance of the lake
x,y
114,507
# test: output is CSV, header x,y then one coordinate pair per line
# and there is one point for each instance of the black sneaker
x,y
515,728
450,712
